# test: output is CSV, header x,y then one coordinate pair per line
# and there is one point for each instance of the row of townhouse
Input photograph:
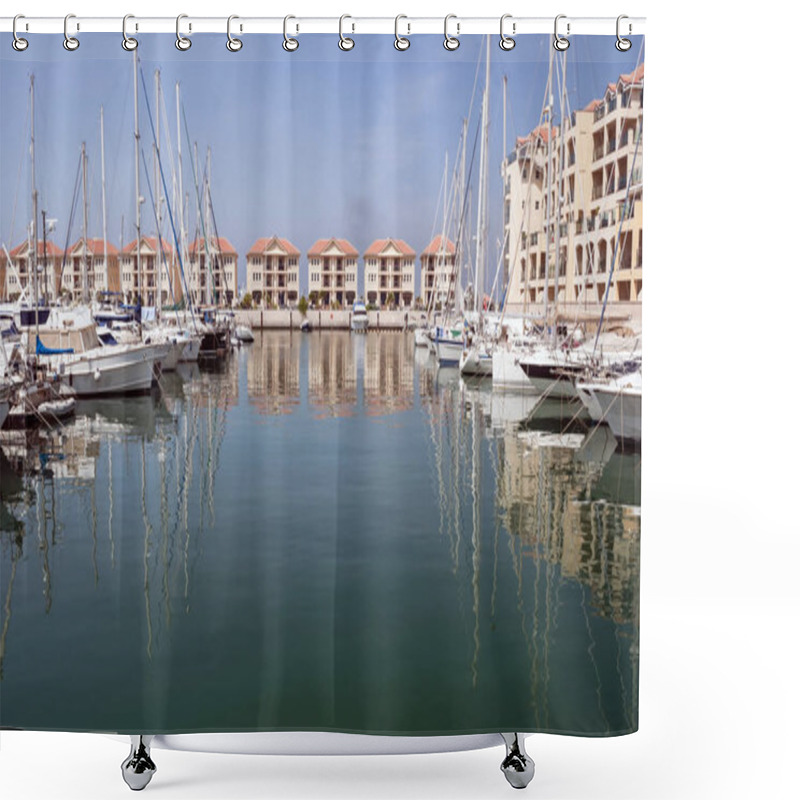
x,y
333,272
92,266
573,204
147,267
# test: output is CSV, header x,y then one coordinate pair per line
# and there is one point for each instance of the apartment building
x,y
211,271
438,276
333,272
102,268
273,274
573,204
389,273
17,275
148,267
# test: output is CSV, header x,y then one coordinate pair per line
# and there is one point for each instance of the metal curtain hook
x,y
345,43
400,42
289,44
181,42
70,42
622,44
559,42
128,42
507,42
450,42
18,43
233,44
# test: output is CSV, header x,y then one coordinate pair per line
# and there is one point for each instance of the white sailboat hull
x,y
421,338
617,403
448,352
124,370
507,373
476,362
191,350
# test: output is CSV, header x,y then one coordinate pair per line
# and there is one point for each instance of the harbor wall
x,y
325,319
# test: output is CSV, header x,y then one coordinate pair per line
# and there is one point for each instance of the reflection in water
x,y
273,373
478,558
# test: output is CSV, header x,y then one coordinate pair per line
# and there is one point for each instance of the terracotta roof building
x,y
101,268
212,271
18,276
148,267
273,273
438,273
389,277
333,272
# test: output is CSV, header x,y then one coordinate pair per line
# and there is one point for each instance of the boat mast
x,y
480,248
504,166
34,259
562,101
103,185
136,155
548,203
84,265
156,144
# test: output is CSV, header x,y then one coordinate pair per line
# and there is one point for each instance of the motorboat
x,y
359,321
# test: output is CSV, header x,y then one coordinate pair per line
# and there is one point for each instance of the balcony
x,y
622,183
611,146
599,112
597,153
597,192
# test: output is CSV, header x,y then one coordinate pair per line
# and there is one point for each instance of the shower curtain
x,y
320,521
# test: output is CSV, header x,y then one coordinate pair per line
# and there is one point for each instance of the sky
x,y
307,145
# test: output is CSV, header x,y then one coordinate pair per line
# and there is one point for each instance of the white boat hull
x,y
191,350
421,338
126,370
476,362
359,323
617,403
448,352
507,373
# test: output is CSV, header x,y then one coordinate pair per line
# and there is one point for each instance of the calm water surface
x,y
326,534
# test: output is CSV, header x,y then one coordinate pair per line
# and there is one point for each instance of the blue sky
x,y
307,145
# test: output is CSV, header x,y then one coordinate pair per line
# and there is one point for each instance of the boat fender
x,y
97,374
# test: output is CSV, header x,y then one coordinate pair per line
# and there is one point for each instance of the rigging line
x,y
69,224
197,196
158,230
163,180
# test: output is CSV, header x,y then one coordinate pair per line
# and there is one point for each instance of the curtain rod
x,y
407,26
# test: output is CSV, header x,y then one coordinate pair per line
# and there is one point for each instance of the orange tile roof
x,y
379,245
52,249
263,244
151,242
435,247
342,244
540,132
637,76
95,247
222,244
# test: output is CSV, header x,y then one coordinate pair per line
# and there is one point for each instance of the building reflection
x,y
332,374
545,501
388,372
273,373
